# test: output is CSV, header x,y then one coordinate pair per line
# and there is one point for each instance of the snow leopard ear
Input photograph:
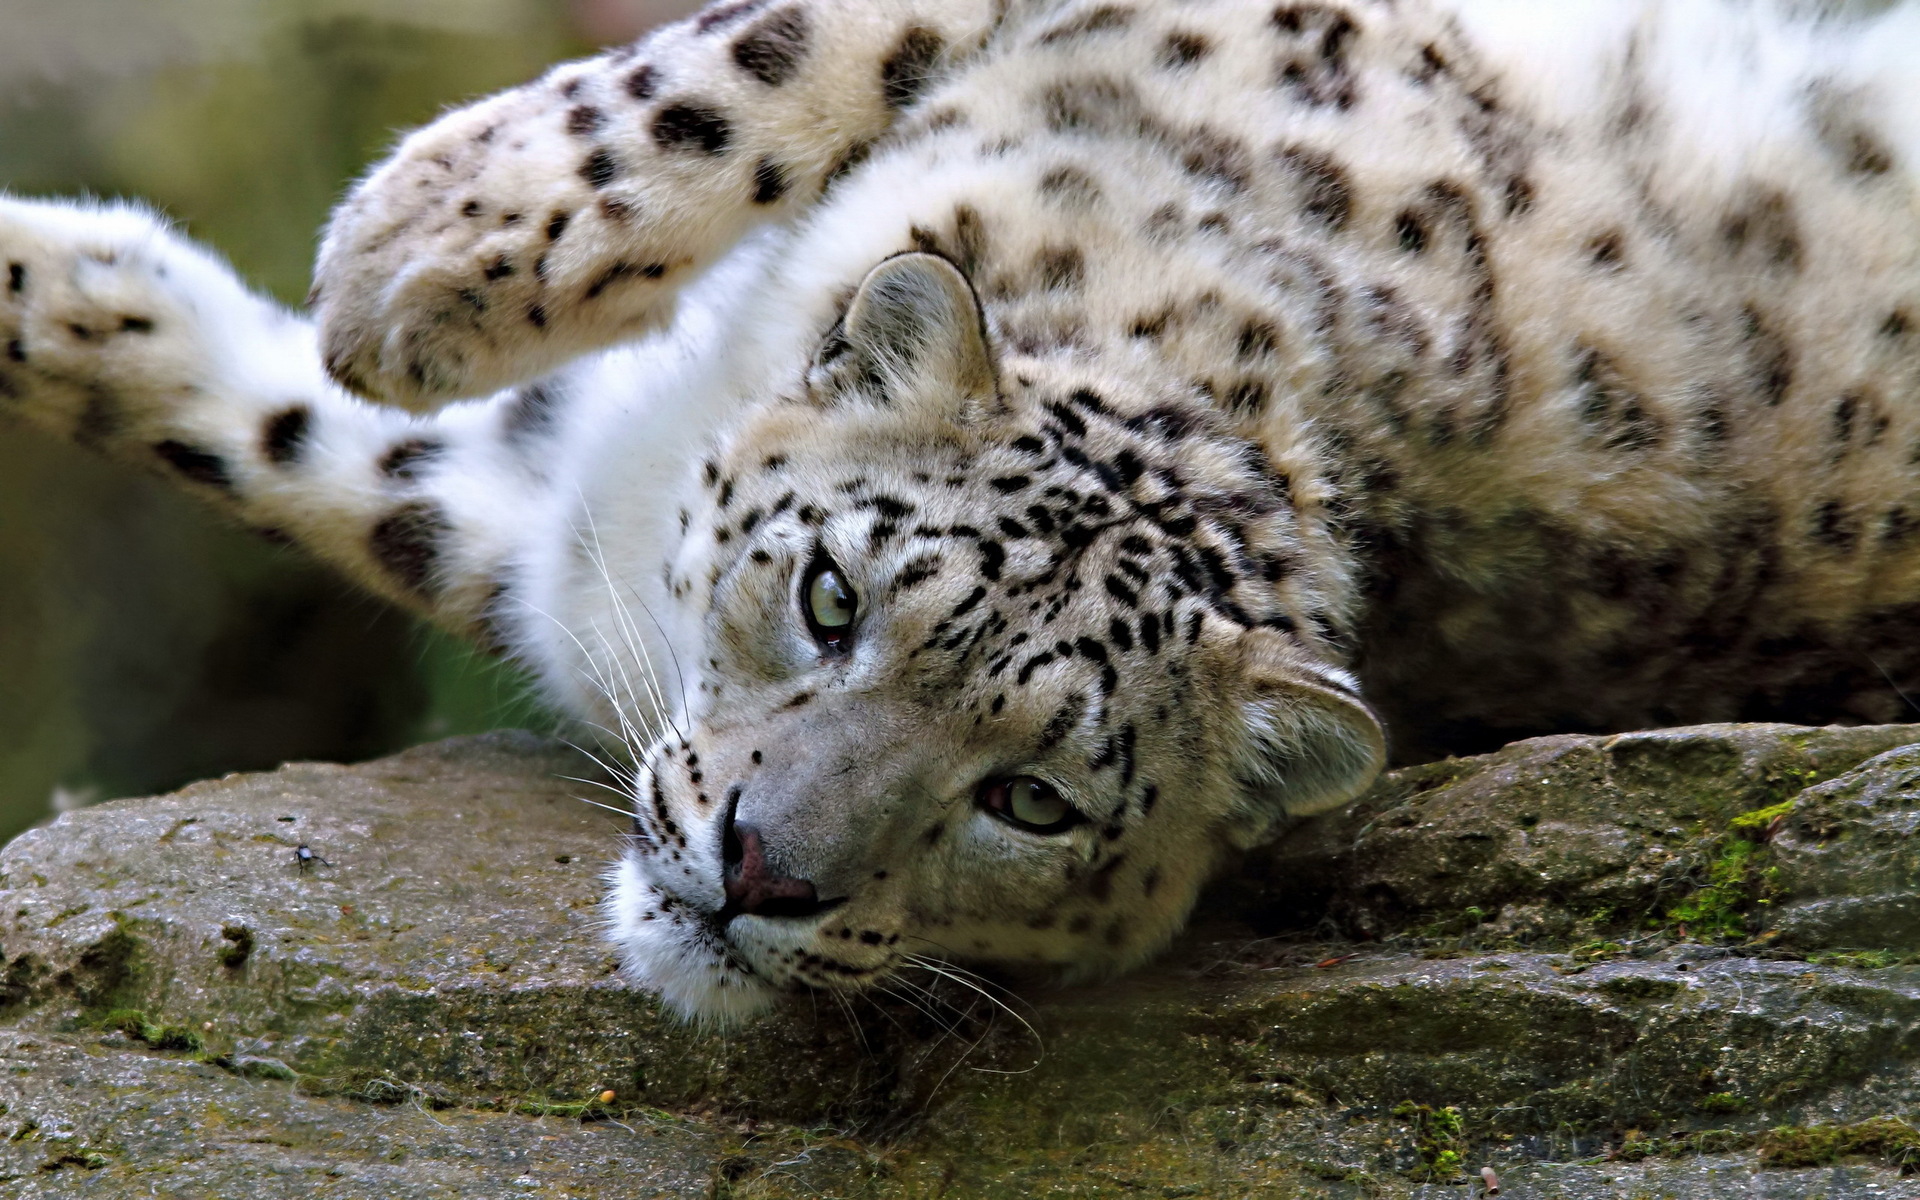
x,y
1306,741
914,337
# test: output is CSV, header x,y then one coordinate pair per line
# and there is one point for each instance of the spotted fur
x,y
1197,398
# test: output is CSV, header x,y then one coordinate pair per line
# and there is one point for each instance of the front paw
x,y
113,329
80,314
496,244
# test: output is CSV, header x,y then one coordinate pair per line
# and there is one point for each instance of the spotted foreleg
x,y
133,342
563,216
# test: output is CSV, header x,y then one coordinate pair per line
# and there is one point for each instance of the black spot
x,y
1070,183
537,316
969,238
689,125
727,14
771,51
16,352
1769,356
1834,527
916,571
599,170
407,543
1095,20
1518,196
532,410
1844,412
1061,267
1896,325
1034,664
1317,71
643,83
1612,408
407,459
854,155
1607,251
1246,396
1411,231
16,277
992,556
800,700
1151,325
1120,634
1325,195
557,224
583,120
1183,50
1257,340
1212,155
196,464
1765,226
769,182
470,209
286,435
621,272
908,69
136,325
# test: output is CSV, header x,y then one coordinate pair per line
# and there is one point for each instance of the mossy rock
x,y
430,1012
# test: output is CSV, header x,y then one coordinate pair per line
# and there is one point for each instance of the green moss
x,y
1863,960
1721,1102
1739,881
1755,824
1438,1137
1889,1139
576,1110
1597,951
134,1024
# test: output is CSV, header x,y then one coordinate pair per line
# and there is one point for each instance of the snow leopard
x,y
990,463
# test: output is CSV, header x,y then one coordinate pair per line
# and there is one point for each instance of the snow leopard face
x,y
967,645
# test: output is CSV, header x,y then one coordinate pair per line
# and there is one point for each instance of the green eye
x,y
1029,803
830,605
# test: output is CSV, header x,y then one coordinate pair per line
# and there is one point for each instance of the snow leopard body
x,y
1183,402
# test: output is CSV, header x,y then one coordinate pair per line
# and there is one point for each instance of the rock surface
x,y
1669,963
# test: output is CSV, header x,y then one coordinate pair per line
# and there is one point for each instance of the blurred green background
x,y
144,644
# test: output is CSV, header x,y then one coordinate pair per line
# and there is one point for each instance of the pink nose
x,y
751,885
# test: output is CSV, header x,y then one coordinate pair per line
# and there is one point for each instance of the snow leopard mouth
x,y
711,965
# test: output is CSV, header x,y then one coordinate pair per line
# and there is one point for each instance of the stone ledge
x,y
1519,966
